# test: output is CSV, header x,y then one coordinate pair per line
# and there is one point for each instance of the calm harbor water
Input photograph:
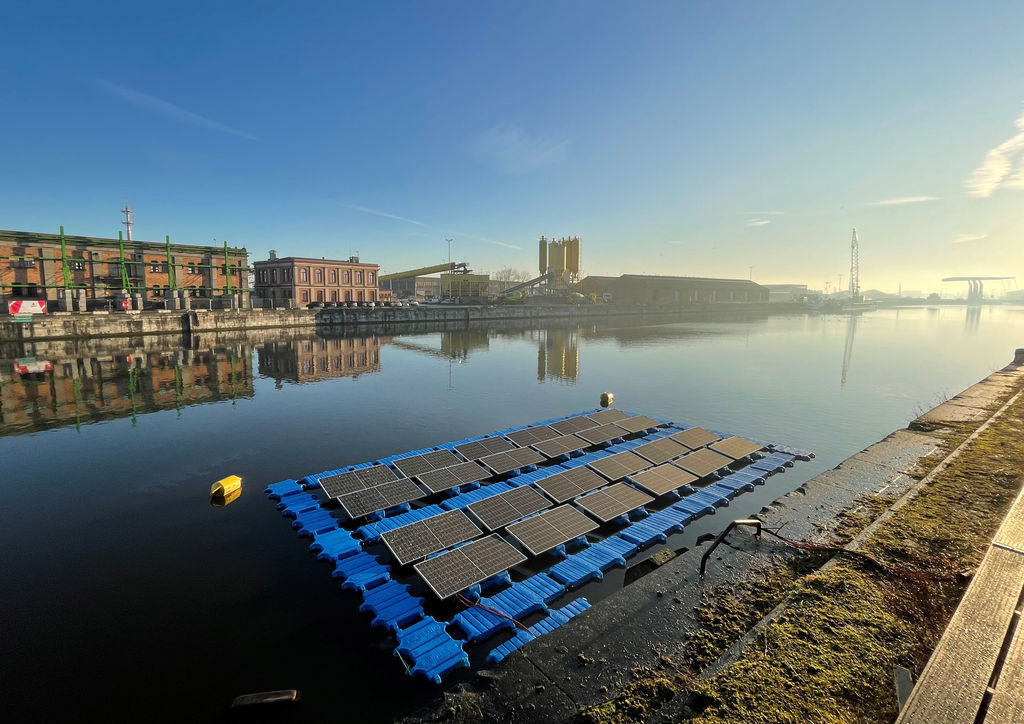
x,y
127,595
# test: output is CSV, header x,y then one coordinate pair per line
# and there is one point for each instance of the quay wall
x,y
78,325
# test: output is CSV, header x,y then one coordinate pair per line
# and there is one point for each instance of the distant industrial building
x,y
674,291
782,293
413,287
316,280
46,266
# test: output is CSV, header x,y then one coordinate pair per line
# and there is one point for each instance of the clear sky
x,y
697,138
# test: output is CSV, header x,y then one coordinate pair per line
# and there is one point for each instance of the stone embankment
x,y
71,325
877,553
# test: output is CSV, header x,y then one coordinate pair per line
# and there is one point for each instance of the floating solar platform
x,y
417,464
703,463
663,479
531,435
602,433
484,447
418,540
573,424
543,532
380,497
661,451
696,437
458,569
558,446
353,480
570,484
500,510
506,462
736,447
437,481
450,526
614,501
616,467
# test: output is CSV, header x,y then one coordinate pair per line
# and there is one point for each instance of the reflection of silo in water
x,y
559,357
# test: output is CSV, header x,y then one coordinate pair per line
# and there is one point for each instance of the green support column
x,y
170,266
125,284
64,260
227,271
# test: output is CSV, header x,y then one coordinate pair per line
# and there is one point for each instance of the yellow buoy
x,y
231,485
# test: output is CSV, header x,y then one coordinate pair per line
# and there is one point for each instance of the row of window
x,y
270,276
334,297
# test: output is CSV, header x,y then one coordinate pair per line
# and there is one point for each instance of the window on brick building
x,y
303,275
348,296
319,296
154,268
78,266
348,277
334,296
319,276
359,277
334,276
305,296
192,267
274,275
369,277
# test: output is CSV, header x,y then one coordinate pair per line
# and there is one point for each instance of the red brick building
x,y
316,280
34,265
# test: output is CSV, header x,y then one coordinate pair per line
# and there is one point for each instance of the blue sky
x,y
694,138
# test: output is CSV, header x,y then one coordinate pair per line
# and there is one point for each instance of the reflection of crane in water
x,y
851,332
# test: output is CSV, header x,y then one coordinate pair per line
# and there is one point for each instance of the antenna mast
x,y
854,269
128,219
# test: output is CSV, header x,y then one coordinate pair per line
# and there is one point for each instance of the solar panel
x,y
482,448
566,486
616,467
452,477
613,501
531,435
661,451
702,462
545,531
736,447
602,433
503,462
605,416
559,446
663,479
425,463
416,540
500,510
457,570
379,497
573,424
695,437
638,423
336,485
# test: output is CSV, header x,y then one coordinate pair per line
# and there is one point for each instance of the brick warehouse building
x,y
316,280
34,265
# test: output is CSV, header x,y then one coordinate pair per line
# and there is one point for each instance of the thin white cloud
x,y
900,200
758,222
765,213
966,238
675,242
375,212
994,171
167,109
407,220
511,151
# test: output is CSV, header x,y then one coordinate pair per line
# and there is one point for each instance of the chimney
x,y
273,254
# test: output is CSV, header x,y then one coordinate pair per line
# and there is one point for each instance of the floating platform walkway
x,y
425,532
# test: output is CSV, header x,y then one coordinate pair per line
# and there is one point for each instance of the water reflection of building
x,y
310,360
85,389
558,355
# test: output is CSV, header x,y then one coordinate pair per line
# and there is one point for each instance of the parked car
x,y
315,305
350,304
